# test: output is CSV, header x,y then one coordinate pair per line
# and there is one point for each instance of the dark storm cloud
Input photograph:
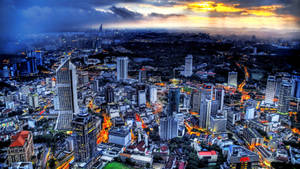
x,y
125,13
158,15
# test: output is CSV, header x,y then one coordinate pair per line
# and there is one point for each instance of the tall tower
x,y
296,87
205,112
219,97
284,96
232,79
188,69
270,90
153,94
173,99
84,129
122,68
66,90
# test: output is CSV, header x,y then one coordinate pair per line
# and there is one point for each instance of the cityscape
x,y
175,84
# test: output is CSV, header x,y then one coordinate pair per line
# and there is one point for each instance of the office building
x,y
109,94
270,90
232,79
21,147
153,94
173,101
284,96
168,128
120,136
66,91
84,130
196,100
34,100
296,87
219,97
122,68
205,113
141,97
188,69
218,123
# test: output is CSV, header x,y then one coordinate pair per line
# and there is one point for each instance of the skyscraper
x,y
219,97
296,87
141,97
109,94
188,69
153,94
232,79
122,68
84,130
205,112
173,101
284,96
66,90
168,128
270,90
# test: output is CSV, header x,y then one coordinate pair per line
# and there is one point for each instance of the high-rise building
x,y
296,87
205,113
173,101
122,68
168,128
284,96
34,100
270,90
219,97
188,69
21,147
153,94
84,130
232,79
218,123
66,90
109,94
196,100
141,97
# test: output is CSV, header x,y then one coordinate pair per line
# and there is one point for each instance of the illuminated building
x,y
284,96
66,90
210,156
239,157
188,69
120,136
270,90
84,130
253,137
122,68
232,79
21,147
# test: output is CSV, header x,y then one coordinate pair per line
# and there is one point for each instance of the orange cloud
x,y
210,6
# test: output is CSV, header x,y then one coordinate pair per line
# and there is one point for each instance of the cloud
x,y
125,13
158,15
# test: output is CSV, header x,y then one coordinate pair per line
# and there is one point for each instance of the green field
x,y
115,165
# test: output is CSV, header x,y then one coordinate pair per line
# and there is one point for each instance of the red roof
x,y
18,140
207,153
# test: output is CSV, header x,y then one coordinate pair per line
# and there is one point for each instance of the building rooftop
x,y
19,139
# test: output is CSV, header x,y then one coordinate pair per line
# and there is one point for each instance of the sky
x,y
30,16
